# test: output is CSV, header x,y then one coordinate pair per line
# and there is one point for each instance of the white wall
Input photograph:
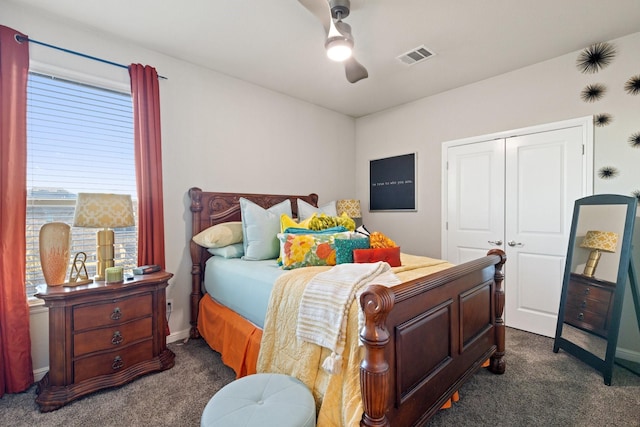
x,y
218,133
543,93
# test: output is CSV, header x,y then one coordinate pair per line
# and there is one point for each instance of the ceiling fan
x,y
339,42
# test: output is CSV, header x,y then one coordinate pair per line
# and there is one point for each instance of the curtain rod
x,y
20,39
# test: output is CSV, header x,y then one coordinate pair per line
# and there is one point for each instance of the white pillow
x,y
260,228
305,210
220,235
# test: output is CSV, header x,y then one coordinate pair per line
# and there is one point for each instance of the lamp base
x,y
592,263
104,251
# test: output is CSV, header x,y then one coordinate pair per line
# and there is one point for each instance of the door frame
x,y
585,122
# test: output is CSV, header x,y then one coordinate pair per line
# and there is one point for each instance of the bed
x,y
420,339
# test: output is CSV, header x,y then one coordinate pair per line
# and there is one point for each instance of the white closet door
x,y
517,194
475,200
544,176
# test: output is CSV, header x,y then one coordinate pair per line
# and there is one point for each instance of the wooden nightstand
x,y
103,335
589,304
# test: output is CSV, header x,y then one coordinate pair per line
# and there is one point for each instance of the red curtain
x,y
16,371
148,156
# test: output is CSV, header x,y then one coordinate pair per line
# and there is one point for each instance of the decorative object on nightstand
x,y
113,274
352,208
598,241
105,211
54,244
78,275
103,335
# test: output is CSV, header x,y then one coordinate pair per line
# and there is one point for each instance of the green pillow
x,y
345,247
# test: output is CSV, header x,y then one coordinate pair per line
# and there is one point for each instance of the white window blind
x,y
79,139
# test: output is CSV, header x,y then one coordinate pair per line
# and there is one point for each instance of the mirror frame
x,y
625,270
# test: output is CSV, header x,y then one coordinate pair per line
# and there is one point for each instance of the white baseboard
x,y
178,336
630,355
38,374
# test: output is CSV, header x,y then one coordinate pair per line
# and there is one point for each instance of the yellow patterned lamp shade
x,y
601,240
349,206
605,241
105,211
98,210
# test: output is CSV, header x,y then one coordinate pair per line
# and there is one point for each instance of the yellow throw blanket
x,y
337,396
322,317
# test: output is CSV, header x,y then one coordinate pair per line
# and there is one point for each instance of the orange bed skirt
x,y
234,337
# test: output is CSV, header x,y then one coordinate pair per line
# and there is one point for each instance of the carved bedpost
x,y
376,303
498,363
196,260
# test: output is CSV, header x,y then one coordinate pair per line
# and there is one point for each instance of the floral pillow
x,y
306,250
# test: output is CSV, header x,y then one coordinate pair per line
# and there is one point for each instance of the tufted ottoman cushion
x,y
261,400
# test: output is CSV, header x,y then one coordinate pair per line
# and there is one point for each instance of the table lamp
x,y
352,208
105,211
598,241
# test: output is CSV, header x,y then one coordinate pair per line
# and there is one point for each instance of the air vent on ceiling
x,y
416,55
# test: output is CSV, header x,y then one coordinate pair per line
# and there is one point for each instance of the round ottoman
x,y
261,400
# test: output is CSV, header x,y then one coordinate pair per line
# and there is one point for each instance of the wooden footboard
x,y
423,339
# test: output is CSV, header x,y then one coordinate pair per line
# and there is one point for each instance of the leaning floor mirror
x,y
598,265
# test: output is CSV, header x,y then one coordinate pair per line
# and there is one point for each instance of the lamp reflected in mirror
x,y
598,241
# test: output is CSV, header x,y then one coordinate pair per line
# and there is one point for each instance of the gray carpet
x,y
175,397
539,388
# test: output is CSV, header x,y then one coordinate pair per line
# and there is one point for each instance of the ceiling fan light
x,y
339,48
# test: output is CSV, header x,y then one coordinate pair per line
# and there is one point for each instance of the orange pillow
x,y
388,255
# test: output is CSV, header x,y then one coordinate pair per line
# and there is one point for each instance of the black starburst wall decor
x,y
593,92
595,57
636,194
608,172
634,140
632,86
602,120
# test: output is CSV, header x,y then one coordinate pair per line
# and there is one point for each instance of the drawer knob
x,y
117,363
117,338
117,314
581,316
587,290
584,304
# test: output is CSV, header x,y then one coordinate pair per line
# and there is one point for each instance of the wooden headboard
x,y
208,209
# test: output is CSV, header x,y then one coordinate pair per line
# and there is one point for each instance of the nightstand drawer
x,y
113,361
593,305
580,291
112,312
113,337
585,319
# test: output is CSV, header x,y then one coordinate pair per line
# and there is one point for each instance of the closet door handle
x,y
514,243
495,242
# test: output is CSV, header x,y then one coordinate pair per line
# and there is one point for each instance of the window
x,y
79,139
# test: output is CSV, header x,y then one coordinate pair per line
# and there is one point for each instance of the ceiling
x,y
279,45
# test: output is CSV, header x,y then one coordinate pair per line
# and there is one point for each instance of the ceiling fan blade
x,y
354,70
344,29
320,9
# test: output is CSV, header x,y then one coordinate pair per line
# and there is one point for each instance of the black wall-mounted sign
x,y
392,183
